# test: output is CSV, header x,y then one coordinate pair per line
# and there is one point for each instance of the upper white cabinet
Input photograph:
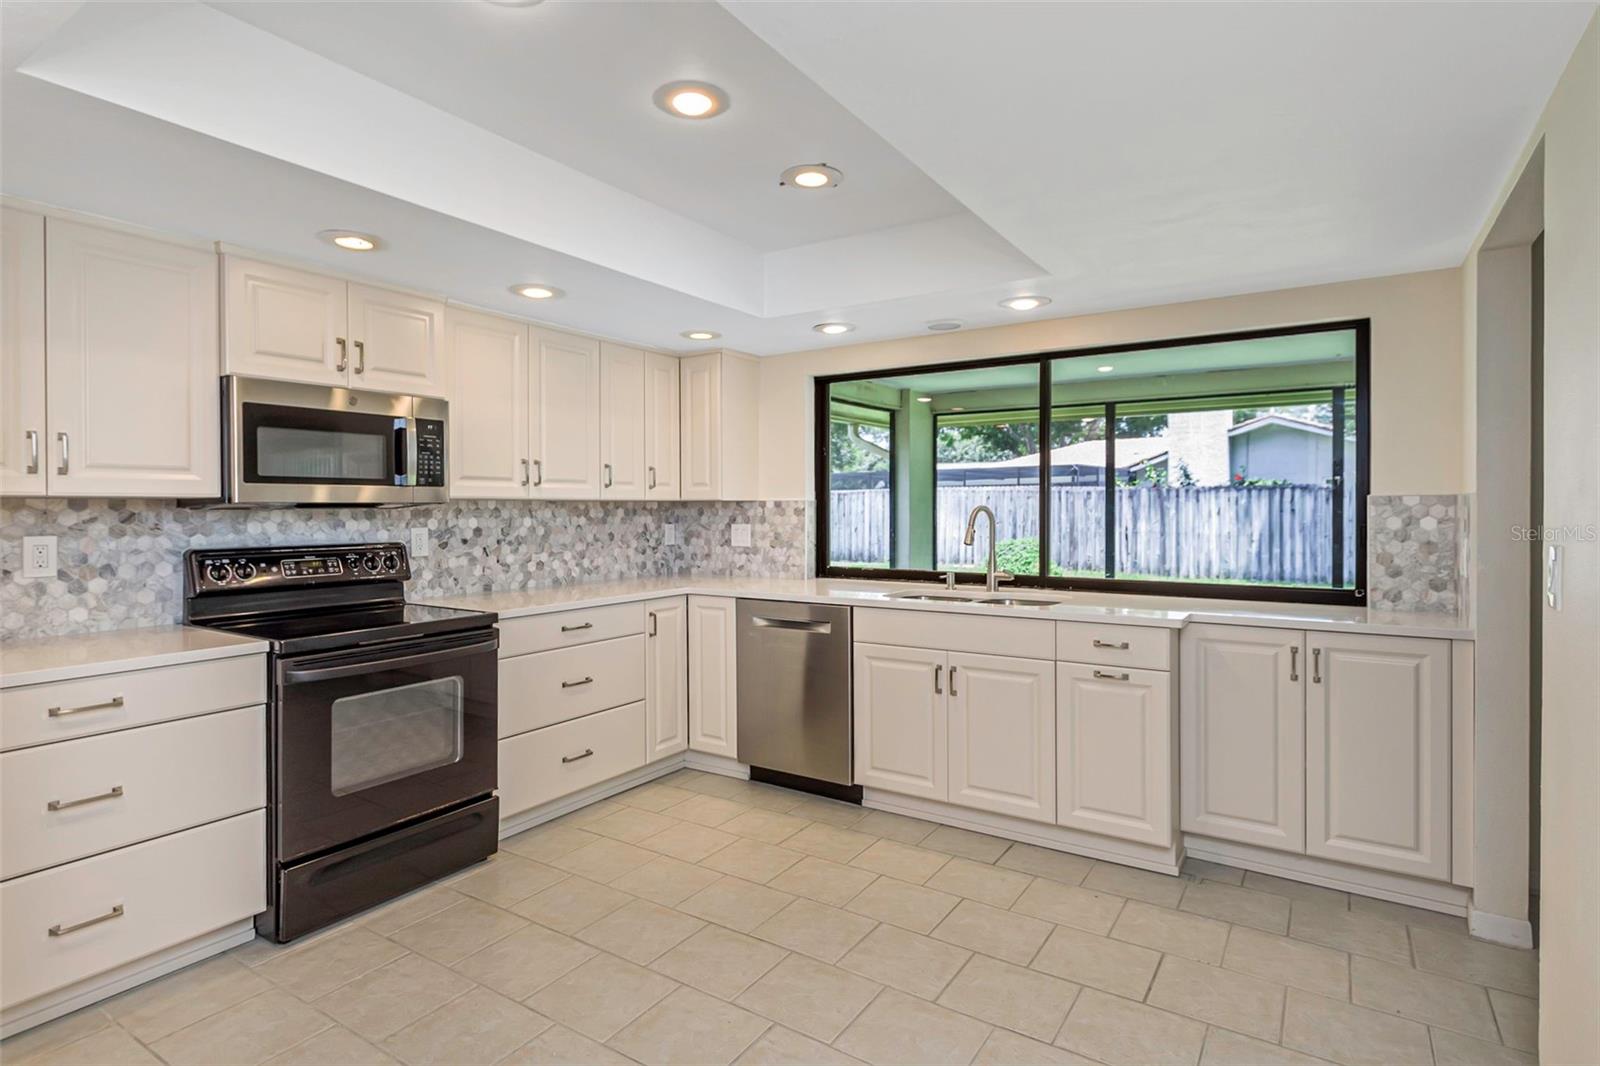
x,y
22,360
299,326
720,402
1003,735
566,416
661,417
713,676
1242,731
132,365
666,674
623,429
902,718
489,406
1378,752
1114,731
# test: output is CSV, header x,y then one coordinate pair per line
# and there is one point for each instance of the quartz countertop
x,y
1167,612
50,659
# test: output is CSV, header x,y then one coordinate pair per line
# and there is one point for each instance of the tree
x,y
845,450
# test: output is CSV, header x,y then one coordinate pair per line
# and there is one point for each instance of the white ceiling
x,y
1106,155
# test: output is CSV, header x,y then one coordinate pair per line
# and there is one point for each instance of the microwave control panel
x,y
430,453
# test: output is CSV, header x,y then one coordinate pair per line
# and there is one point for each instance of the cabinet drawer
x,y
556,686
169,890
38,714
119,788
1028,638
542,632
559,760
1141,647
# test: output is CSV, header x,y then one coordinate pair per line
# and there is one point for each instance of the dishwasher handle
x,y
799,625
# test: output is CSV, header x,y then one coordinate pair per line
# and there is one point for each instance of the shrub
x,y
1020,555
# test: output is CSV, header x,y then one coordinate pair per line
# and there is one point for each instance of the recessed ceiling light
x,y
833,329
811,176
1024,303
691,99
700,334
350,240
1105,369
534,290
924,399
944,325
954,409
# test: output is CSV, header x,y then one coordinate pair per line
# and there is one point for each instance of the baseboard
x,y
1512,932
524,820
716,764
52,1005
1127,853
1379,884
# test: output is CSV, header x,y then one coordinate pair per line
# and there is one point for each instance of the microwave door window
x,y
321,455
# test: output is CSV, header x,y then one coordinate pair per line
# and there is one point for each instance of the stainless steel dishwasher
x,y
794,694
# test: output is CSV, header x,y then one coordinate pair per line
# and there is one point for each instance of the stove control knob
x,y
218,573
244,570
391,563
371,563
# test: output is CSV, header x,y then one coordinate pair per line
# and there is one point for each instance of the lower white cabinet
x,y
1114,737
713,676
1002,730
901,720
666,673
1378,752
558,760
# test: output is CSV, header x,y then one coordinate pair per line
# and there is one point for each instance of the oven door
x,y
290,443
365,740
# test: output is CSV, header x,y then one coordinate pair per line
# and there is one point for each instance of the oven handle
x,y
367,666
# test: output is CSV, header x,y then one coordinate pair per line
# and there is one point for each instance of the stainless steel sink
x,y
937,597
1015,601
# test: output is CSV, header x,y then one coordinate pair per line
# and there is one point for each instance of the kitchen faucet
x,y
994,577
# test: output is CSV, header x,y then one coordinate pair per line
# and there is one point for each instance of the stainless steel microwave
x,y
312,444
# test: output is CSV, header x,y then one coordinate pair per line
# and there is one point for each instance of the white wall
x,y
1417,394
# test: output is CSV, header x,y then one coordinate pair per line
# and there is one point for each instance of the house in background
x,y
1267,448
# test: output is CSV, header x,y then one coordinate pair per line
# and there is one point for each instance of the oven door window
x,y
299,445
394,733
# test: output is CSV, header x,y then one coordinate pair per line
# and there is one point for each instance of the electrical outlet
x,y
669,533
38,557
741,534
419,544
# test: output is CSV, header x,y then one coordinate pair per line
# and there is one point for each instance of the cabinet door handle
x,y
115,792
607,467
361,357
1294,662
576,628
63,930
1101,675
574,758
538,473
344,354
953,680
66,445
1316,666
937,671
652,471
652,623
32,437
104,705
1120,646
525,475
575,684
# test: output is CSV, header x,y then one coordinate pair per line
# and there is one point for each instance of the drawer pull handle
x,y
574,629
58,712
1101,675
575,684
574,758
63,930
1117,646
61,805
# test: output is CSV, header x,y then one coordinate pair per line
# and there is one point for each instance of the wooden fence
x,y
1273,533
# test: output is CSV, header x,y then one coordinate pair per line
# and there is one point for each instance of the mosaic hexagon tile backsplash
x,y
119,563
1417,552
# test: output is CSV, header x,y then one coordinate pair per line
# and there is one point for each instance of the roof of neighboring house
x,y
1262,421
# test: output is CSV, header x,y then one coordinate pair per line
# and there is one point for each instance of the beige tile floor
x,y
700,919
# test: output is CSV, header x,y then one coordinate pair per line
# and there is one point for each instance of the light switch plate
x,y
669,533
38,557
741,534
420,547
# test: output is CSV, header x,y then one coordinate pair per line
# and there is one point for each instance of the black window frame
x,y
1331,595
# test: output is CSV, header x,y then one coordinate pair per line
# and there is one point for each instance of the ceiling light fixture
x,y
833,329
811,176
700,334
691,99
534,290
1024,303
944,325
924,399
1105,369
350,240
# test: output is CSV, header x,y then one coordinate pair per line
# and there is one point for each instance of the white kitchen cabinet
x,y
132,365
623,419
489,407
666,671
662,417
1002,731
1114,731
566,416
720,409
902,716
713,676
22,358
283,323
396,342
1242,734
1378,752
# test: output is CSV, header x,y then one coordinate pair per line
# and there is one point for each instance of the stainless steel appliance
x,y
382,727
312,444
794,694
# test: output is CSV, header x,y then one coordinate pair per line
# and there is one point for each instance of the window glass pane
x,y
1078,491
988,460
860,452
